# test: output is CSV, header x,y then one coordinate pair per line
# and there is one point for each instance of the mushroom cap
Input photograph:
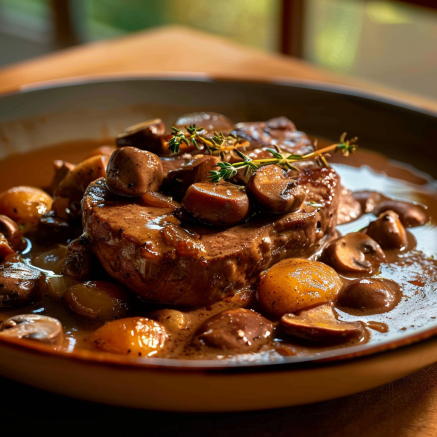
x,y
145,136
238,329
275,191
370,295
33,327
131,172
220,204
210,121
354,253
10,229
320,324
410,215
388,231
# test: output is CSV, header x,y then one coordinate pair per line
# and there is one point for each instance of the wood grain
x,y
405,408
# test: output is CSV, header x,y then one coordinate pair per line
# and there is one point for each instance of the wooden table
x,y
407,407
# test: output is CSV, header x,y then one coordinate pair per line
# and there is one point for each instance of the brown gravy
x,y
414,270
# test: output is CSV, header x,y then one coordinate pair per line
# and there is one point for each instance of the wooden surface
x,y
405,408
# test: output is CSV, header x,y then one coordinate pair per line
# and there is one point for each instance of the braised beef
x,y
156,256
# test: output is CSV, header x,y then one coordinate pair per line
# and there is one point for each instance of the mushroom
x,y
97,300
5,248
239,329
410,215
70,190
367,200
354,253
388,231
370,295
10,229
275,191
62,168
133,336
145,136
196,170
131,172
320,324
33,327
19,284
210,121
78,263
220,204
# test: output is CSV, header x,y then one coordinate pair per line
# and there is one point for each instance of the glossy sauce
x,y
414,269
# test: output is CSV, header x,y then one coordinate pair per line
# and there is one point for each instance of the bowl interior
x,y
98,110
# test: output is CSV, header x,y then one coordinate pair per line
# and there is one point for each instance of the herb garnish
x,y
220,144
285,160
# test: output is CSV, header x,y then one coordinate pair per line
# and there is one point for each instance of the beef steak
x,y
163,259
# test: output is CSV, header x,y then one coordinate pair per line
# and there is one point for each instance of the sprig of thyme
x,y
227,170
217,144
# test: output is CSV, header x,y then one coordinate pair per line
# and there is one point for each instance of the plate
x,y
51,114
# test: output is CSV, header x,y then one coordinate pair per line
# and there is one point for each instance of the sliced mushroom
x,y
97,300
10,229
388,231
196,170
145,136
33,327
5,248
354,253
132,336
275,191
132,172
367,200
220,204
320,324
210,121
370,295
409,214
239,329
78,264
19,284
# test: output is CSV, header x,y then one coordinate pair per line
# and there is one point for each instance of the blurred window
x,y
250,22
388,41
384,41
